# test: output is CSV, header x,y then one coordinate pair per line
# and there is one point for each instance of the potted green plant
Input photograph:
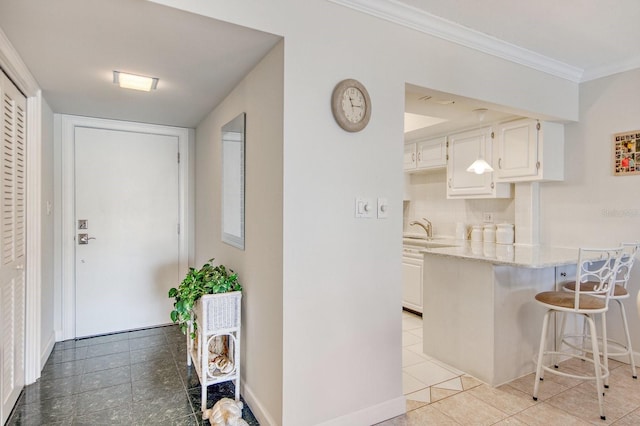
x,y
207,280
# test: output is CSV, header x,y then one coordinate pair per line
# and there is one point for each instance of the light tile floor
x,y
440,395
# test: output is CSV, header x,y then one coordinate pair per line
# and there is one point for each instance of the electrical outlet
x,y
487,217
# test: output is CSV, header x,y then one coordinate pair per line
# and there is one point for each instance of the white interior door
x,y
12,245
127,191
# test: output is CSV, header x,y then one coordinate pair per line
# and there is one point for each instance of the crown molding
x,y
610,69
15,68
417,19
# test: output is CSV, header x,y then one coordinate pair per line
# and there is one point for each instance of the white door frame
x,y
66,133
17,71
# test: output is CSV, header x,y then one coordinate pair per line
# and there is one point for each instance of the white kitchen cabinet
x,y
529,150
410,158
425,154
412,274
464,148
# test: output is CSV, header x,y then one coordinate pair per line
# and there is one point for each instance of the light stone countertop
x,y
498,254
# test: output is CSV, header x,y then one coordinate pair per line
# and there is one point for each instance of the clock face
x,y
351,105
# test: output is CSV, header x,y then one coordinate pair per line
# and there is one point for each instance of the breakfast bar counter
x,y
479,311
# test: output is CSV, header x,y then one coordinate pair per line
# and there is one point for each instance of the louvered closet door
x,y
12,244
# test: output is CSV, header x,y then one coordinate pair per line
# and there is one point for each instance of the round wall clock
x,y
351,105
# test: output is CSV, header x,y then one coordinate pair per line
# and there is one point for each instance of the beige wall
x,y
259,266
592,206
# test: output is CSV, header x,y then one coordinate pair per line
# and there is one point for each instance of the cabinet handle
x,y
499,163
413,156
492,185
418,156
449,182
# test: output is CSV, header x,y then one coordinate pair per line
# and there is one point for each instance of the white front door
x,y
127,191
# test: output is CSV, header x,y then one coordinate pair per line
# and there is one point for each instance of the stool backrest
x,y
626,263
599,268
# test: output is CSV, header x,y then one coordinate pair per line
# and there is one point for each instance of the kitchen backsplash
x,y
427,197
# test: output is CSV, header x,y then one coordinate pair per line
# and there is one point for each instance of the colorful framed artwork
x,y
626,153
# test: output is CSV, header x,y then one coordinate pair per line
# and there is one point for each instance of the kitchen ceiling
x,y
72,47
451,113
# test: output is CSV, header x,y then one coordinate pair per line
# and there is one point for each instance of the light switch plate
x,y
364,208
383,208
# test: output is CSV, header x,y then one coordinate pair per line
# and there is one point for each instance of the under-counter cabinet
x,y
464,148
425,154
412,276
529,150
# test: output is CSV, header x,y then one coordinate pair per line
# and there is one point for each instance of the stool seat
x,y
618,291
563,299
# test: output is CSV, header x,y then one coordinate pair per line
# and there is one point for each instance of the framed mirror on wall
x,y
233,146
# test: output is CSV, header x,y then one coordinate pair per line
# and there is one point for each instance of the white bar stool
x,y
594,265
620,293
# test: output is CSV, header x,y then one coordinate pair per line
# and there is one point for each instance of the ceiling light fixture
x,y
480,166
135,82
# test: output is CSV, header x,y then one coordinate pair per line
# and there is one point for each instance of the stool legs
x,y
605,351
625,324
596,362
539,369
599,376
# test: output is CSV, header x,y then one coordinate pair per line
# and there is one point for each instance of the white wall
x,y
341,276
592,207
47,334
259,266
428,199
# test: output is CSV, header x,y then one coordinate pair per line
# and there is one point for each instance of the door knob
x,y
84,238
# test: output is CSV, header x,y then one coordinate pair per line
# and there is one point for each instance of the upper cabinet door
x,y
464,149
528,150
410,159
425,154
432,153
517,151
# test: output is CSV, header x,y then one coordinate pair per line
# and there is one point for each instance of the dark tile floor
x,y
132,378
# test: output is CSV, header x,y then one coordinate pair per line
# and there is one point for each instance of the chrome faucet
x,y
426,226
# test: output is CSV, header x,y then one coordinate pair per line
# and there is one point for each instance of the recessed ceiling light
x,y
419,121
135,82
428,98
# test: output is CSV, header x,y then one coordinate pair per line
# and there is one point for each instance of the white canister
x,y
476,233
489,233
489,249
505,252
476,247
504,233
461,231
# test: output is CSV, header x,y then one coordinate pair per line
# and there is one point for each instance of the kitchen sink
x,y
417,236
420,244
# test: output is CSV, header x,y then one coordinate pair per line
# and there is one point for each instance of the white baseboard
x,y
371,415
258,410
